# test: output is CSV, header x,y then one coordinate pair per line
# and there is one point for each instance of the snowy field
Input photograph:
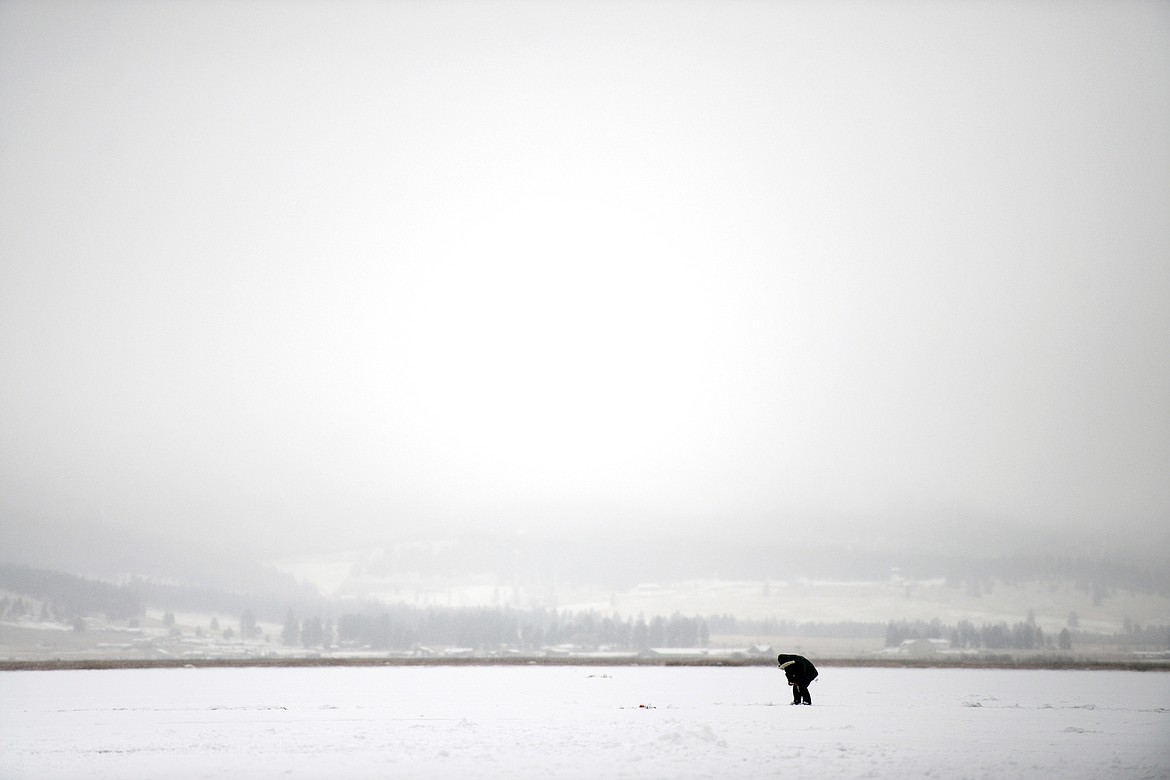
x,y
580,722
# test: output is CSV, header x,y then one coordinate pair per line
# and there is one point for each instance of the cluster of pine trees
x,y
730,625
403,627
1023,635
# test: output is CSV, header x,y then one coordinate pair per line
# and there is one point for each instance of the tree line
x,y
732,626
1021,635
404,627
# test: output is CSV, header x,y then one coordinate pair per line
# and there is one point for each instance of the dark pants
x,y
800,692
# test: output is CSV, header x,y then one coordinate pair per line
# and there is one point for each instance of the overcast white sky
x,y
320,269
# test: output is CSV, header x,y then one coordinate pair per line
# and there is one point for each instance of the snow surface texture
x,y
580,722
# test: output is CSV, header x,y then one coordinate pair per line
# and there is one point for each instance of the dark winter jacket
x,y
797,668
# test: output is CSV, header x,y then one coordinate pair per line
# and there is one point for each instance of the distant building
x,y
458,652
923,648
674,652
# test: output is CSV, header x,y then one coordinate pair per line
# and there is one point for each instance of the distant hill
x,y
68,596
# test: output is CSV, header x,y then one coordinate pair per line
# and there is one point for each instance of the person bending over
x,y
800,672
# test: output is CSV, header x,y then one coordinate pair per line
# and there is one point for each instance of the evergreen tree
x,y
313,633
291,631
640,635
657,632
248,627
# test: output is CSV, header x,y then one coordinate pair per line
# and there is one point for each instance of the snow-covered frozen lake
x,y
537,721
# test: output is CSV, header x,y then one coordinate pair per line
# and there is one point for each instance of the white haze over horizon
x,y
313,273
